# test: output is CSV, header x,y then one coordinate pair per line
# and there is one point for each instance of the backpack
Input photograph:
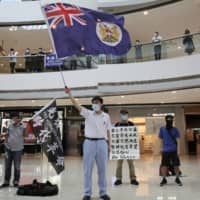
x,y
38,189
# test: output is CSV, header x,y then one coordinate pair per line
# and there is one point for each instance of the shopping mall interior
x,y
148,87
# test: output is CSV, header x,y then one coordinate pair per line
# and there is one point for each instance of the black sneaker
x,y
163,182
134,182
105,197
178,181
86,198
5,185
118,182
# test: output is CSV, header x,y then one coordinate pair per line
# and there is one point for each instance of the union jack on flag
x,y
61,12
74,28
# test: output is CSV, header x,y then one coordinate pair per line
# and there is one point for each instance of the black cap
x,y
14,114
123,111
169,117
97,98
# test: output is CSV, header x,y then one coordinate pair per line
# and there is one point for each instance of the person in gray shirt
x,y
14,144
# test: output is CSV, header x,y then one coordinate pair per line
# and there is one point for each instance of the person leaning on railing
x,y
156,39
28,61
13,60
188,42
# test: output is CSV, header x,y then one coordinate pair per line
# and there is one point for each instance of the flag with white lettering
x,y
46,128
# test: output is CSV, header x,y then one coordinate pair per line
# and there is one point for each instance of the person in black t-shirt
x,y
124,122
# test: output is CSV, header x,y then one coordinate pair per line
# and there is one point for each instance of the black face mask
x,y
169,124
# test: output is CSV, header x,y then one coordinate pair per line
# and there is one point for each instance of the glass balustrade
x,y
171,48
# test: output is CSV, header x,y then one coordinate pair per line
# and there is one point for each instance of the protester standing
x,y
124,122
14,144
168,136
96,144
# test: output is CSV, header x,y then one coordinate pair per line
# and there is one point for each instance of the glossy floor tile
x,y
70,182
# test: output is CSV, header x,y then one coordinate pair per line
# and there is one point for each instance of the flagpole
x,y
63,79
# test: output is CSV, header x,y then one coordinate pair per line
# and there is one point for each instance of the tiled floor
x,y
71,180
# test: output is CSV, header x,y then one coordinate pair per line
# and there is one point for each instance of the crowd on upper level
x,y
35,61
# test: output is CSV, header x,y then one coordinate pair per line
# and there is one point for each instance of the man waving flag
x,y
75,30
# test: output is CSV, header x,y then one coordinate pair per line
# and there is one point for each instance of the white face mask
x,y
96,107
124,117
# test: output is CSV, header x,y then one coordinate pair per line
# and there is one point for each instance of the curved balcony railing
x,y
169,49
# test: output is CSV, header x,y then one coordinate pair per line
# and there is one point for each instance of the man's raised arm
x,y
74,102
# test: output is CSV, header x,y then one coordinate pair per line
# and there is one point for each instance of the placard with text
x,y
124,143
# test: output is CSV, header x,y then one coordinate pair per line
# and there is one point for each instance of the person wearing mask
x,y
168,135
188,42
124,122
96,144
156,39
14,144
12,59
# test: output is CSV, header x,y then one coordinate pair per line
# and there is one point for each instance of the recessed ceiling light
x,y
173,92
33,101
146,12
179,47
122,97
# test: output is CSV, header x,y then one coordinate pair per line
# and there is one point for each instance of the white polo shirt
x,y
96,125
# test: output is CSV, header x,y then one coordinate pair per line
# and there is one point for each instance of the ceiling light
x,y
162,114
122,97
33,101
179,47
13,28
146,12
173,92
34,27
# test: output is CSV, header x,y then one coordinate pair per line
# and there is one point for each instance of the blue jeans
x,y
11,156
95,151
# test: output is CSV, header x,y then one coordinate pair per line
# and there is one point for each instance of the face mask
x,y
124,117
96,107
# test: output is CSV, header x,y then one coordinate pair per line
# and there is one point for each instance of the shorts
x,y
170,158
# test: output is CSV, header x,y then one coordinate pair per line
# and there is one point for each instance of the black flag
x,y
46,128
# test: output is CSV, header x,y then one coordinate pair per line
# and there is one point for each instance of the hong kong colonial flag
x,y
45,125
76,30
